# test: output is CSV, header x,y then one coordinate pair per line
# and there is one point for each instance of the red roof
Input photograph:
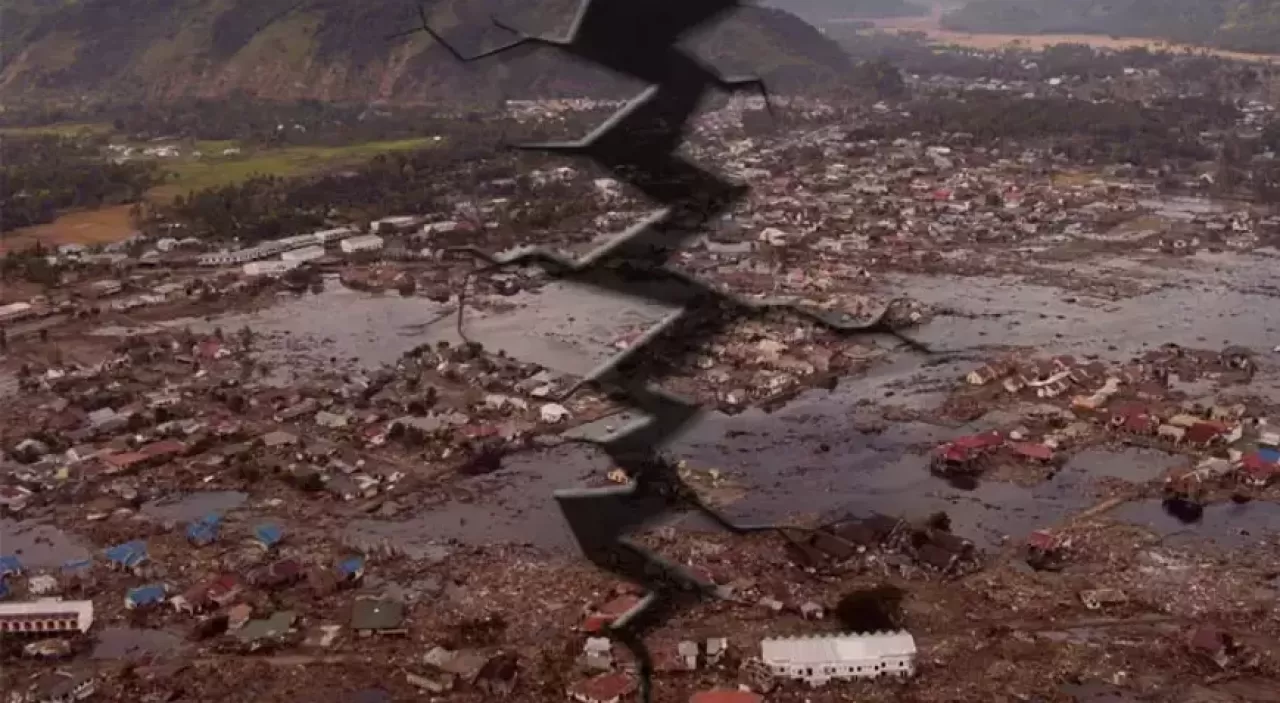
x,y
609,612
603,688
1139,423
1042,539
224,585
475,431
1258,467
166,447
979,441
1032,450
619,606
209,348
952,453
726,696
1205,432
1128,409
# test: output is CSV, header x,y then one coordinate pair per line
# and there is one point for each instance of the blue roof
x,y
1271,455
268,535
146,595
212,519
204,530
129,554
351,566
77,564
9,564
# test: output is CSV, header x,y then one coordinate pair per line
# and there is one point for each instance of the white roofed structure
x,y
366,242
269,268
310,253
46,617
818,659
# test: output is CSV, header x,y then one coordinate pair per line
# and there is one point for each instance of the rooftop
x,y
834,648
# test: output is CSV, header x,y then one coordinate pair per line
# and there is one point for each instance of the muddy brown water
x,y
40,545
777,457
1228,524
1132,464
564,327
191,506
132,643
1207,304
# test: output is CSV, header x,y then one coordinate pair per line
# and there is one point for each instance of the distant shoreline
x,y
929,26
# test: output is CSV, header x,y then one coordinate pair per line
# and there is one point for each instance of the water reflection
x,y
1231,524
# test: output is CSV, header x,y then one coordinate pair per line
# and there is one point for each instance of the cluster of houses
x,y
1128,402
54,617
972,453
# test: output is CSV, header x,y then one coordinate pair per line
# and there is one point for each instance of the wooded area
x,y
43,175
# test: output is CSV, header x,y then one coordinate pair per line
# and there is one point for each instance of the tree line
x,y
43,175
464,165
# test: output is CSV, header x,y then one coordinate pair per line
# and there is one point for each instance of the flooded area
x,y
194,505
804,459
131,643
1133,465
513,505
1015,313
1186,208
800,461
39,545
1229,524
564,327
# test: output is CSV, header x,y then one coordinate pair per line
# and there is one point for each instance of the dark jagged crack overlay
x,y
638,144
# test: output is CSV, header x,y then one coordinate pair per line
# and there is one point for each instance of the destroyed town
x,y
274,427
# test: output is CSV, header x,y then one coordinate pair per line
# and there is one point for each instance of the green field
x,y
212,169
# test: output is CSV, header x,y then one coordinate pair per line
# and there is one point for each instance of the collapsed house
x,y
840,541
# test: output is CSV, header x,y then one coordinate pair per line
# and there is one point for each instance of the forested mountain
x,y
338,50
1241,25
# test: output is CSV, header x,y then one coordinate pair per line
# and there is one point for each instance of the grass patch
x,y
213,170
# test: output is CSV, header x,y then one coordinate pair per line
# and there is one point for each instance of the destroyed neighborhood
x,y
286,469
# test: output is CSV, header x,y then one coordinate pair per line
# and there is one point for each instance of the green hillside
x,y
1239,25
337,50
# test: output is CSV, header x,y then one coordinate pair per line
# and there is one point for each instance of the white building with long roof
x,y
820,658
